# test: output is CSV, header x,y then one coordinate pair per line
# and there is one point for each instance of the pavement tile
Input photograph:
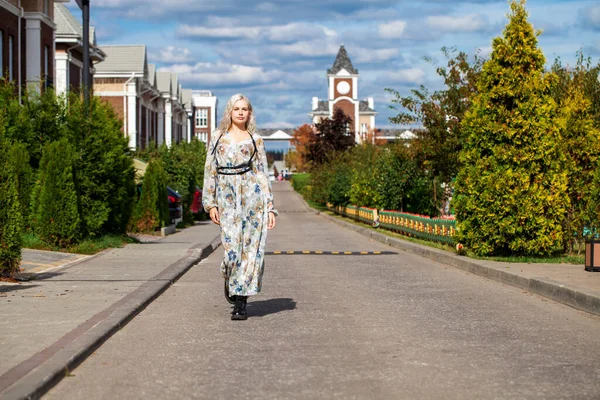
x,y
55,307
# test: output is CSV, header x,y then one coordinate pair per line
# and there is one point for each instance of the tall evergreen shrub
x,y
152,209
58,218
104,164
19,158
11,224
511,193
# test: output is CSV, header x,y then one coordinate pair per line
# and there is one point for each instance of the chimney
x,y
371,103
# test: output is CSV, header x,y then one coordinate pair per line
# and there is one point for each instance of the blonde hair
x,y
226,121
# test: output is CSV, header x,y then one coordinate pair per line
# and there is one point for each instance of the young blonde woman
x,y
237,195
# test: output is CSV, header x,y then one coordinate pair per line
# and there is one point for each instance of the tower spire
x,y
342,61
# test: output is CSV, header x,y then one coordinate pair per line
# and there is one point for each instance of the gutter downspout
x,y
20,75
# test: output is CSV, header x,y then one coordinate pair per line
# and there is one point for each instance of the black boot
x,y
239,309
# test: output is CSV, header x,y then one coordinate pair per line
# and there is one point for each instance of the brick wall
x,y
346,106
117,104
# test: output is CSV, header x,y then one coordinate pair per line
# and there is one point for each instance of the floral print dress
x,y
244,202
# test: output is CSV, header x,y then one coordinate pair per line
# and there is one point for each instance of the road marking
x,y
334,253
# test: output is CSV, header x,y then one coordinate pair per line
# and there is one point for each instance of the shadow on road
x,y
272,306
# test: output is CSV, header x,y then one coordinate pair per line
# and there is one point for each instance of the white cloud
x,y
223,74
250,32
311,48
408,75
375,55
295,31
392,30
591,17
172,55
280,125
466,23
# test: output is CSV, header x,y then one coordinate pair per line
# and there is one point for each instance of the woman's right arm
x,y
209,191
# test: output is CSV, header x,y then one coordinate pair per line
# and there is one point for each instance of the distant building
x,y
204,114
342,83
277,140
69,51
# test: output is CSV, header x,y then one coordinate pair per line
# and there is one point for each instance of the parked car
x,y
175,206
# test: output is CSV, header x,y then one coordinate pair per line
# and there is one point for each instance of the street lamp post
x,y
85,8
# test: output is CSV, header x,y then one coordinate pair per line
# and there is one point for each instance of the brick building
x,y
69,51
204,114
27,42
342,80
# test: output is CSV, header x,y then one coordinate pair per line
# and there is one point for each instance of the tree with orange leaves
x,y
302,136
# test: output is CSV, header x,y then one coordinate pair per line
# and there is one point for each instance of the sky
x,y
278,52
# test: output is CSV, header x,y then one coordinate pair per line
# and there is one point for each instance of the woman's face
x,y
240,113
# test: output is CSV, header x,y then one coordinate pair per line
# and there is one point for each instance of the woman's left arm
x,y
263,168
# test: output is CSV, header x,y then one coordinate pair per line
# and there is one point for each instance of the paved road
x,y
331,326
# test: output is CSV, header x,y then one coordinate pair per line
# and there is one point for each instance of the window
x,y
363,128
47,7
10,57
202,118
203,137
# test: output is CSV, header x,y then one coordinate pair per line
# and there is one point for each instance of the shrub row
x,y
374,176
70,168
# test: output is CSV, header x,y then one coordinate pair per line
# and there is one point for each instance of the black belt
x,y
237,170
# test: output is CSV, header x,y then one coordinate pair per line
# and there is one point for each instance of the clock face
x,y
343,87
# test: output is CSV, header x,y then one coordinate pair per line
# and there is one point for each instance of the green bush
x,y
363,183
300,181
511,193
11,224
105,167
58,219
19,158
184,165
152,209
39,120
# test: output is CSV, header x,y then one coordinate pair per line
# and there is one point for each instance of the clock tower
x,y
342,81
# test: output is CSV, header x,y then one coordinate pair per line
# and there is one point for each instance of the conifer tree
x,y
577,92
19,158
58,211
152,209
511,191
11,224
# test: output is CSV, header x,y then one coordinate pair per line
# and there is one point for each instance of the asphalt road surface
x,y
392,326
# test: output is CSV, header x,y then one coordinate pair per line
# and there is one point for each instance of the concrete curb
x,y
572,296
73,348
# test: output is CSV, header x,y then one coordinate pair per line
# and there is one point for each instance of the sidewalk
x,y
565,283
52,323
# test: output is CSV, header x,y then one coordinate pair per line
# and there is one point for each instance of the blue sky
x,y
277,52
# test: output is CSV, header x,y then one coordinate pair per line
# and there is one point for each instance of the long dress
x,y
244,202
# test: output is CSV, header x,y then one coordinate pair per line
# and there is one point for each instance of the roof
x,y
163,81
175,84
152,74
123,59
402,133
267,132
363,107
342,61
281,135
66,23
68,26
323,105
186,98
